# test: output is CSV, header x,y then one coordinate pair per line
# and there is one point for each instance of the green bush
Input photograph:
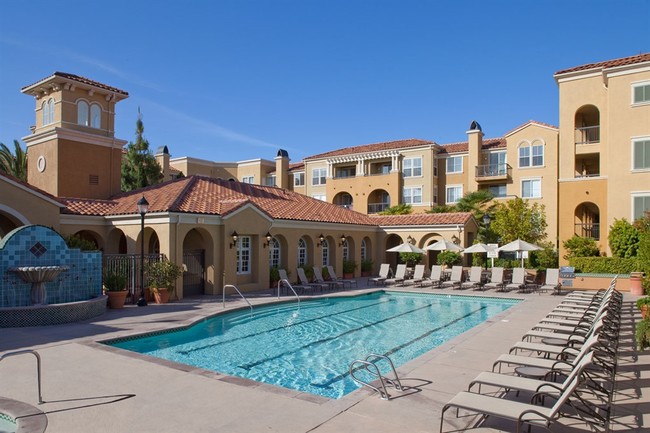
x,y
411,259
623,239
604,265
546,258
578,246
76,241
643,334
309,271
114,281
449,258
349,266
366,265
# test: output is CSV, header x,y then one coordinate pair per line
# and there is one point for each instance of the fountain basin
x,y
38,276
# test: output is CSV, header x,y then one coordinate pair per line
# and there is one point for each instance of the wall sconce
x,y
410,240
455,239
234,236
268,240
343,240
321,240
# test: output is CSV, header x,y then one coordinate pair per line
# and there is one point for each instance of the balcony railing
x,y
588,135
493,170
590,230
377,207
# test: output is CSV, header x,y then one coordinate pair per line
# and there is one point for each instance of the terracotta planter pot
x,y
161,295
348,275
116,299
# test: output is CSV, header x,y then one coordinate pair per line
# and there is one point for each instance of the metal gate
x,y
129,266
193,272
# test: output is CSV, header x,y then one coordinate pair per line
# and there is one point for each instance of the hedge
x,y
605,265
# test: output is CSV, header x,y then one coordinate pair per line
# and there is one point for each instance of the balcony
x,y
377,207
589,230
493,172
587,135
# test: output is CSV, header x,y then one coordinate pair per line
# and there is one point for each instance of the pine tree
x,y
139,166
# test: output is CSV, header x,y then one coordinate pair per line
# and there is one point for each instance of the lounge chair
x,y
318,276
285,278
333,277
435,279
496,280
456,278
552,281
384,270
475,281
400,274
518,280
418,276
305,282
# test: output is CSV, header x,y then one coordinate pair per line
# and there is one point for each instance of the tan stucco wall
x,y
21,206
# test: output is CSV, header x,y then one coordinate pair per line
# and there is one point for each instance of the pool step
x,y
370,366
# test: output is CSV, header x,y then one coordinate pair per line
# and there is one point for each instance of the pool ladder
x,y
370,365
38,366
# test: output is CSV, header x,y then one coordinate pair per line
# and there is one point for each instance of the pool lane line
x,y
324,340
279,328
395,349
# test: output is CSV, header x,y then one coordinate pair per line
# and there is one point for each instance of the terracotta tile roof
x,y
531,122
83,80
609,63
203,195
422,219
375,147
297,166
463,146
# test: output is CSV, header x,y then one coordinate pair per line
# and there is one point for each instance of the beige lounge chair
x,y
318,276
333,277
285,278
475,279
552,281
435,278
518,280
496,279
384,270
456,278
305,282
418,276
400,274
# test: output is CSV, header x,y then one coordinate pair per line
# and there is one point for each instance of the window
x,y
325,247
641,154
498,190
244,255
302,252
386,168
412,195
435,194
318,176
640,205
364,253
531,188
412,167
455,164
321,197
270,180
346,250
454,193
298,179
641,93
531,155
248,179
82,113
435,167
95,116
346,172
497,164
48,112
274,253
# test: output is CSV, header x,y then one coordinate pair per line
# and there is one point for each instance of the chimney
x,y
475,144
162,157
282,169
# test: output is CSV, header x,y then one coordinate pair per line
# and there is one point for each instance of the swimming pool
x,y
309,347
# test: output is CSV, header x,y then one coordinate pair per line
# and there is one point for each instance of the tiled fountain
x,y
43,282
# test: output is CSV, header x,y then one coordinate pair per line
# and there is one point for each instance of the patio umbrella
x,y
479,248
405,248
443,245
519,246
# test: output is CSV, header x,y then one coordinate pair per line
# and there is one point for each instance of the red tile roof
x,y
531,122
609,63
375,147
463,146
422,219
82,80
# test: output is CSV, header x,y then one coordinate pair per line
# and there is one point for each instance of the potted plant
x,y
643,304
348,268
115,286
366,268
161,279
274,276
643,334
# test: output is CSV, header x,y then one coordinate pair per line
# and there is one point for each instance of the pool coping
x,y
27,417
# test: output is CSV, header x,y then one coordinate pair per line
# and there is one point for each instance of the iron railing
x,y
377,207
129,265
491,170
587,135
588,230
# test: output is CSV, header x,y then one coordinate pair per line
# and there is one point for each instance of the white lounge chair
x,y
400,274
305,282
552,281
456,278
496,279
384,270
475,279
333,277
318,276
435,278
285,278
418,276
518,280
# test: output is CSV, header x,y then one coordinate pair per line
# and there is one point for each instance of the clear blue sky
x,y
239,79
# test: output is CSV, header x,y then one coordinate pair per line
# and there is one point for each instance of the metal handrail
x,y
240,294
38,367
290,286
370,365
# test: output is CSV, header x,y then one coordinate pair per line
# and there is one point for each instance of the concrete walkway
x,y
88,387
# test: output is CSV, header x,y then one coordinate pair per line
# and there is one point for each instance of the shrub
x,y
643,333
578,246
411,259
76,241
546,258
623,239
274,275
366,265
114,281
163,274
349,266
604,265
449,258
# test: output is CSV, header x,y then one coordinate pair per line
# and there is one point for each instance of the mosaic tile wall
x,y
36,245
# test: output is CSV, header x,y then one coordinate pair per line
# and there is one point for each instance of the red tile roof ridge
x,y
463,146
372,147
80,79
622,61
447,218
529,123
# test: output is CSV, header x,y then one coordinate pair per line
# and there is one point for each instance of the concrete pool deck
x,y
88,387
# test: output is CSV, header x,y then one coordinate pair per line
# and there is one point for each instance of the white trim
x,y
421,187
462,162
633,142
31,191
531,123
447,187
578,75
634,194
528,179
73,135
634,86
248,205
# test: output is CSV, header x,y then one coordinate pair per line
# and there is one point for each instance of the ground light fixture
x,y
143,208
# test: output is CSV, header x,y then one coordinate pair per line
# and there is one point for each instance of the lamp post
x,y
143,207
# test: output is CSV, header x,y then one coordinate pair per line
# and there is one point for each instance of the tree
x,y
399,209
578,246
623,239
139,166
411,259
518,219
14,164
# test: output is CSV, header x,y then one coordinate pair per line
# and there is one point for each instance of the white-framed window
x,y
641,93
531,155
499,190
531,188
248,179
412,195
346,172
299,179
244,255
435,167
497,163
346,250
640,205
412,167
95,116
435,194
318,176
302,252
641,154
82,113
274,253
270,180
321,197
325,247
455,164
454,193
364,250
48,111
386,168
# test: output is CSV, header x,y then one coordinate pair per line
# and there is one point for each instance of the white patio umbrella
x,y
443,245
479,248
405,248
519,246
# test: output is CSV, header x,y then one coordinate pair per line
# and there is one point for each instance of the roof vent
x,y
475,126
283,153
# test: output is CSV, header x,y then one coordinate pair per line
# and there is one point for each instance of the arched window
x,y
363,250
325,246
346,250
531,155
302,252
48,111
95,116
274,253
82,113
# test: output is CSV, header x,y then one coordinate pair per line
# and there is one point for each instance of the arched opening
x,y
431,255
116,242
587,221
195,245
378,201
8,223
343,199
91,237
587,125
392,259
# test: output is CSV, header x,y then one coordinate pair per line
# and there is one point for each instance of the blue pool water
x,y
310,347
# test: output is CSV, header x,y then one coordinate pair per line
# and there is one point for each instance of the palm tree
x,y
14,164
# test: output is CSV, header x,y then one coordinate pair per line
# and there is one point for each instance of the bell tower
x,y
72,150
